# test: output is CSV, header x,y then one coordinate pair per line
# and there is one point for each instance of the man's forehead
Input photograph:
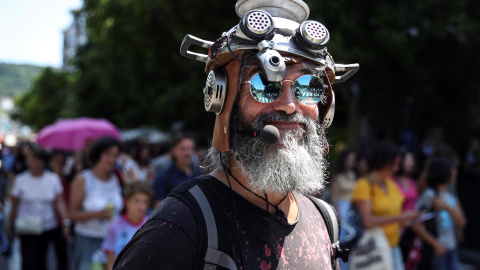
x,y
291,59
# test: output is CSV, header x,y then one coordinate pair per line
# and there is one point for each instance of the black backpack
x,y
211,255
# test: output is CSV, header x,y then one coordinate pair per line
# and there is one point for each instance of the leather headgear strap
x,y
221,131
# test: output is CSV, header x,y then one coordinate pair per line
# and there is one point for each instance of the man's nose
x,y
286,101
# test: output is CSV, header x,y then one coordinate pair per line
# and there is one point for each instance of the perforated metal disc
x,y
315,32
215,91
258,22
208,91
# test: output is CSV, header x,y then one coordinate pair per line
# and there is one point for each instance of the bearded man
x,y
270,85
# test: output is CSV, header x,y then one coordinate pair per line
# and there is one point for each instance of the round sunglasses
x,y
307,89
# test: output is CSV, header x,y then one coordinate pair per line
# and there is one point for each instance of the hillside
x,y
16,79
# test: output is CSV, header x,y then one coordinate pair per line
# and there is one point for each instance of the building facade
x,y
74,37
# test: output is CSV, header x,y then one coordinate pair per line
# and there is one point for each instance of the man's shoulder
x,y
171,236
204,181
177,207
172,210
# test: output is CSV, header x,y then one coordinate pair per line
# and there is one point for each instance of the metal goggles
x,y
307,89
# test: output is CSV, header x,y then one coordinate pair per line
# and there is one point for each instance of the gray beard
x,y
297,164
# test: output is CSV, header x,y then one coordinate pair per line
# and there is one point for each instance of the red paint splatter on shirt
x,y
268,251
265,265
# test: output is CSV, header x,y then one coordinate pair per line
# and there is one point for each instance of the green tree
x,y
418,62
46,101
131,71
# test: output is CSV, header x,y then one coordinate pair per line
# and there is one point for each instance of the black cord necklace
x,y
234,207
277,212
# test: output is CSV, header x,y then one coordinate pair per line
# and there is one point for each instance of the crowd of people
x,y
88,204
416,206
99,197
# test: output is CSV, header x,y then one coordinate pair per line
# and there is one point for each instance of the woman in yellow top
x,y
379,200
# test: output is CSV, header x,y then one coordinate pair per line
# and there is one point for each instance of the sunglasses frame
x,y
281,88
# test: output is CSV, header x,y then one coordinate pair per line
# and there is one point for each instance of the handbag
x,y
353,228
29,225
372,252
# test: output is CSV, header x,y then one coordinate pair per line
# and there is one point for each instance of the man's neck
x,y
288,206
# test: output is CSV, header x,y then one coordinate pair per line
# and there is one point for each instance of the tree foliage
x,y
46,101
131,71
418,62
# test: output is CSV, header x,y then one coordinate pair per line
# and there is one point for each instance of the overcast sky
x,y
31,30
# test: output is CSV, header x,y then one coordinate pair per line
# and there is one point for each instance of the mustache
x,y
262,120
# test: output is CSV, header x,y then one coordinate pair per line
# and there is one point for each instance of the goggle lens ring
x,y
258,22
315,32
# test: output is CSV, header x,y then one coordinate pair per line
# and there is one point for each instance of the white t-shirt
x,y
98,195
37,196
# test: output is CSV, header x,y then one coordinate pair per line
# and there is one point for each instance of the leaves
x,y
46,101
418,63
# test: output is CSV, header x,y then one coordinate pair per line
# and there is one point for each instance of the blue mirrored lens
x,y
308,89
264,91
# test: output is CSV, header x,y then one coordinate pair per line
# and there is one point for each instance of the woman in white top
x,y
95,201
138,168
36,200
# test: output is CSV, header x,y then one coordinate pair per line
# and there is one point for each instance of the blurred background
x,y
418,85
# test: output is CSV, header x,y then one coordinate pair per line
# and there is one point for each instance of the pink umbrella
x,y
71,134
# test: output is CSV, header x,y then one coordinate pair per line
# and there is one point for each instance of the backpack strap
x,y
213,257
181,193
330,217
209,255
